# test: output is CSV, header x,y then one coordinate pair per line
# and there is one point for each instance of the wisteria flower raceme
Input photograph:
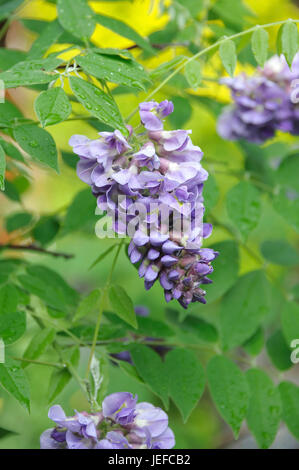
x,y
122,423
262,103
157,174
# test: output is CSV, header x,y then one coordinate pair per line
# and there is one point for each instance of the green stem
x,y
203,52
40,363
102,305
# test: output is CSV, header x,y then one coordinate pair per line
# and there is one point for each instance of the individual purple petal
x,y
150,417
112,403
47,441
166,440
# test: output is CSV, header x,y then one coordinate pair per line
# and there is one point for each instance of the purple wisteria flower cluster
x,y
122,423
262,103
157,174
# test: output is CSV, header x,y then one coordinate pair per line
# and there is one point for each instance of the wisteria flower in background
x,y
122,423
262,103
158,174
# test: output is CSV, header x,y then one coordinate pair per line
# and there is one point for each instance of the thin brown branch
x,y
162,46
37,249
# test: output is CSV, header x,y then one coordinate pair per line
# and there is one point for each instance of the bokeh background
x,y
50,193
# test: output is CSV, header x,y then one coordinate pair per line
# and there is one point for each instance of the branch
x,y
162,45
37,249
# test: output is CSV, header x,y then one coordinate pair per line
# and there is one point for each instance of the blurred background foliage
x,y
50,194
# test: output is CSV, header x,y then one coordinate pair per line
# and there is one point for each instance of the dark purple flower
x,y
158,175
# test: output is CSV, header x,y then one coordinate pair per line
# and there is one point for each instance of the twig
x,y
37,249
162,46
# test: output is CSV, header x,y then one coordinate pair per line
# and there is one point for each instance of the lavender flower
x,y
262,103
121,424
157,173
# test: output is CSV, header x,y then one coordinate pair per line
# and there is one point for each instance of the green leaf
x,y
122,305
260,45
14,381
226,268
9,296
50,287
255,344
289,41
12,151
98,103
80,212
8,8
17,221
278,40
193,73
76,17
264,411
286,203
61,377
31,72
38,143
12,322
121,28
12,327
10,57
50,34
46,229
7,268
229,390
244,207
6,433
152,370
279,351
286,174
12,192
154,328
2,168
52,106
103,255
243,309
289,394
186,379
199,329
114,69
228,56
8,114
290,321
89,305
279,252
130,370
39,344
